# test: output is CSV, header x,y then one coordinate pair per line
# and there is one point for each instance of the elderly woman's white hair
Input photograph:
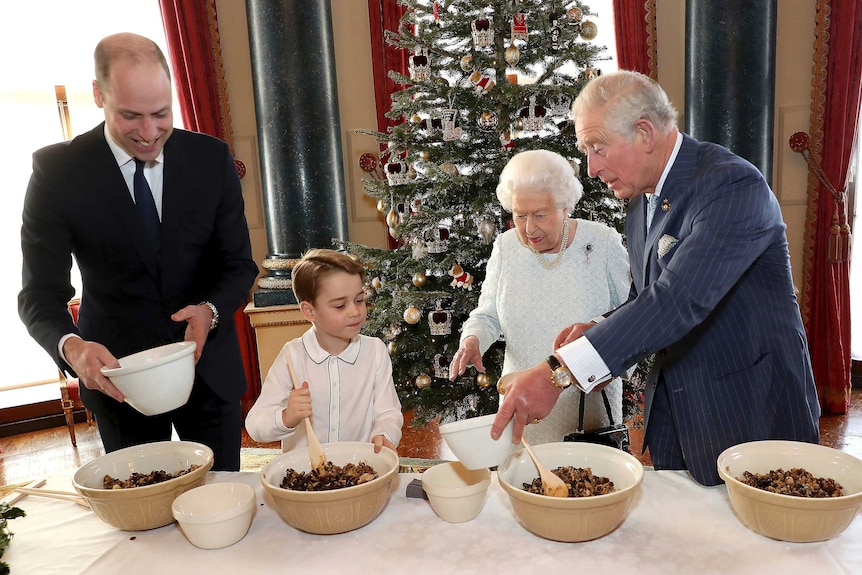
x,y
540,171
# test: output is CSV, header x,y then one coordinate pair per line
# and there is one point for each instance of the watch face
x,y
562,378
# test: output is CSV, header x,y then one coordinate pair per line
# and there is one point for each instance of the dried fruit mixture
x,y
581,482
797,482
143,479
330,477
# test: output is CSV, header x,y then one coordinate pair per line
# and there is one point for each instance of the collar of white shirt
x,y
319,355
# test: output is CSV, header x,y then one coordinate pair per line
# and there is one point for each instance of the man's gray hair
x,y
626,97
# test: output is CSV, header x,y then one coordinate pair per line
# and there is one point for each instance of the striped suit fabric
x,y
719,312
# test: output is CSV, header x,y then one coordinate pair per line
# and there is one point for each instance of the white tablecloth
x,y
675,526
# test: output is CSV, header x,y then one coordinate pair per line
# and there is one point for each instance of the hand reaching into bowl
x,y
530,396
380,442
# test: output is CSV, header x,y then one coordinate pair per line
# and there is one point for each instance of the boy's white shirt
x,y
353,396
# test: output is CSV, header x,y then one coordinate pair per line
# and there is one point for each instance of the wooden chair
x,y
70,397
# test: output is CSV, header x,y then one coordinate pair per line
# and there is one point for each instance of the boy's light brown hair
x,y
315,265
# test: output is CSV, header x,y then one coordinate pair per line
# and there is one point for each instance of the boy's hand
x,y
381,441
298,406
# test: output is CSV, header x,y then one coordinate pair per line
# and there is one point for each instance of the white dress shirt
x,y
353,397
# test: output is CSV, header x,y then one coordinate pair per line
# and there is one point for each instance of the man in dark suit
x,y
712,294
139,291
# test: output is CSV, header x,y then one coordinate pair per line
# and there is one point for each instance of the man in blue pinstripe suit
x,y
711,296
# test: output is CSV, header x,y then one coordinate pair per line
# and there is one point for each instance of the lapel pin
x,y
665,205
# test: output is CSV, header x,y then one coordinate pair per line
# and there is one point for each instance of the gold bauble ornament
x,y
393,219
381,206
391,347
442,81
412,315
589,30
411,173
425,155
574,15
487,230
423,380
415,119
376,283
483,380
449,169
420,279
467,63
513,55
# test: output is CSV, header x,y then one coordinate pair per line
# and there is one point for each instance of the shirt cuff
x,y
585,363
279,422
63,340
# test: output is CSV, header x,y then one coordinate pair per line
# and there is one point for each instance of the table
x,y
675,527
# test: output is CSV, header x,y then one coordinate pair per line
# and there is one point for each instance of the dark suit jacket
x,y
78,203
718,309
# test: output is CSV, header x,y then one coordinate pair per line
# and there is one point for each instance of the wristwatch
x,y
214,322
561,377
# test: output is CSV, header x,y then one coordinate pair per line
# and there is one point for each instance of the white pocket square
x,y
665,244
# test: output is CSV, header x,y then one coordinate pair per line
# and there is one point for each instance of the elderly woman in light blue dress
x,y
548,272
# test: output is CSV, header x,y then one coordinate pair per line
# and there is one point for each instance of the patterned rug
x,y
254,458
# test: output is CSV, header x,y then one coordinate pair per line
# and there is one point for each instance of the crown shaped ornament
x,y
431,125
560,107
440,320
436,240
396,172
420,65
533,116
441,366
483,31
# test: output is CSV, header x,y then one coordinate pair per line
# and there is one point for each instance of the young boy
x,y
346,376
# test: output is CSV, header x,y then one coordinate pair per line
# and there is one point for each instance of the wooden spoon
x,y
551,484
64,495
315,451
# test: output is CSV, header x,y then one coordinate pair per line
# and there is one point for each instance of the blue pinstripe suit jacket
x,y
718,310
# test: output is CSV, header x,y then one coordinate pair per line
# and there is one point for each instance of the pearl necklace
x,y
551,264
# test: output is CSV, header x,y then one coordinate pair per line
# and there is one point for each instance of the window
x,y
48,43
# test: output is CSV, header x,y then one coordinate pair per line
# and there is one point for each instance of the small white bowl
x,y
470,441
456,494
156,380
215,515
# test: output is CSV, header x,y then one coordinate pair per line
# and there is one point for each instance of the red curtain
x,y
385,15
634,23
192,34
825,299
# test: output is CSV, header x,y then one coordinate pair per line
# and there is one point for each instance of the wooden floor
x,y
48,453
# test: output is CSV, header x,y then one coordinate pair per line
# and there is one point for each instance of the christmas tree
x,y
487,79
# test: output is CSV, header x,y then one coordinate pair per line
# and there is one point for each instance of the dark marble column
x,y
299,134
730,76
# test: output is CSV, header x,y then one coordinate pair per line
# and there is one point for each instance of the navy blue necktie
x,y
146,205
